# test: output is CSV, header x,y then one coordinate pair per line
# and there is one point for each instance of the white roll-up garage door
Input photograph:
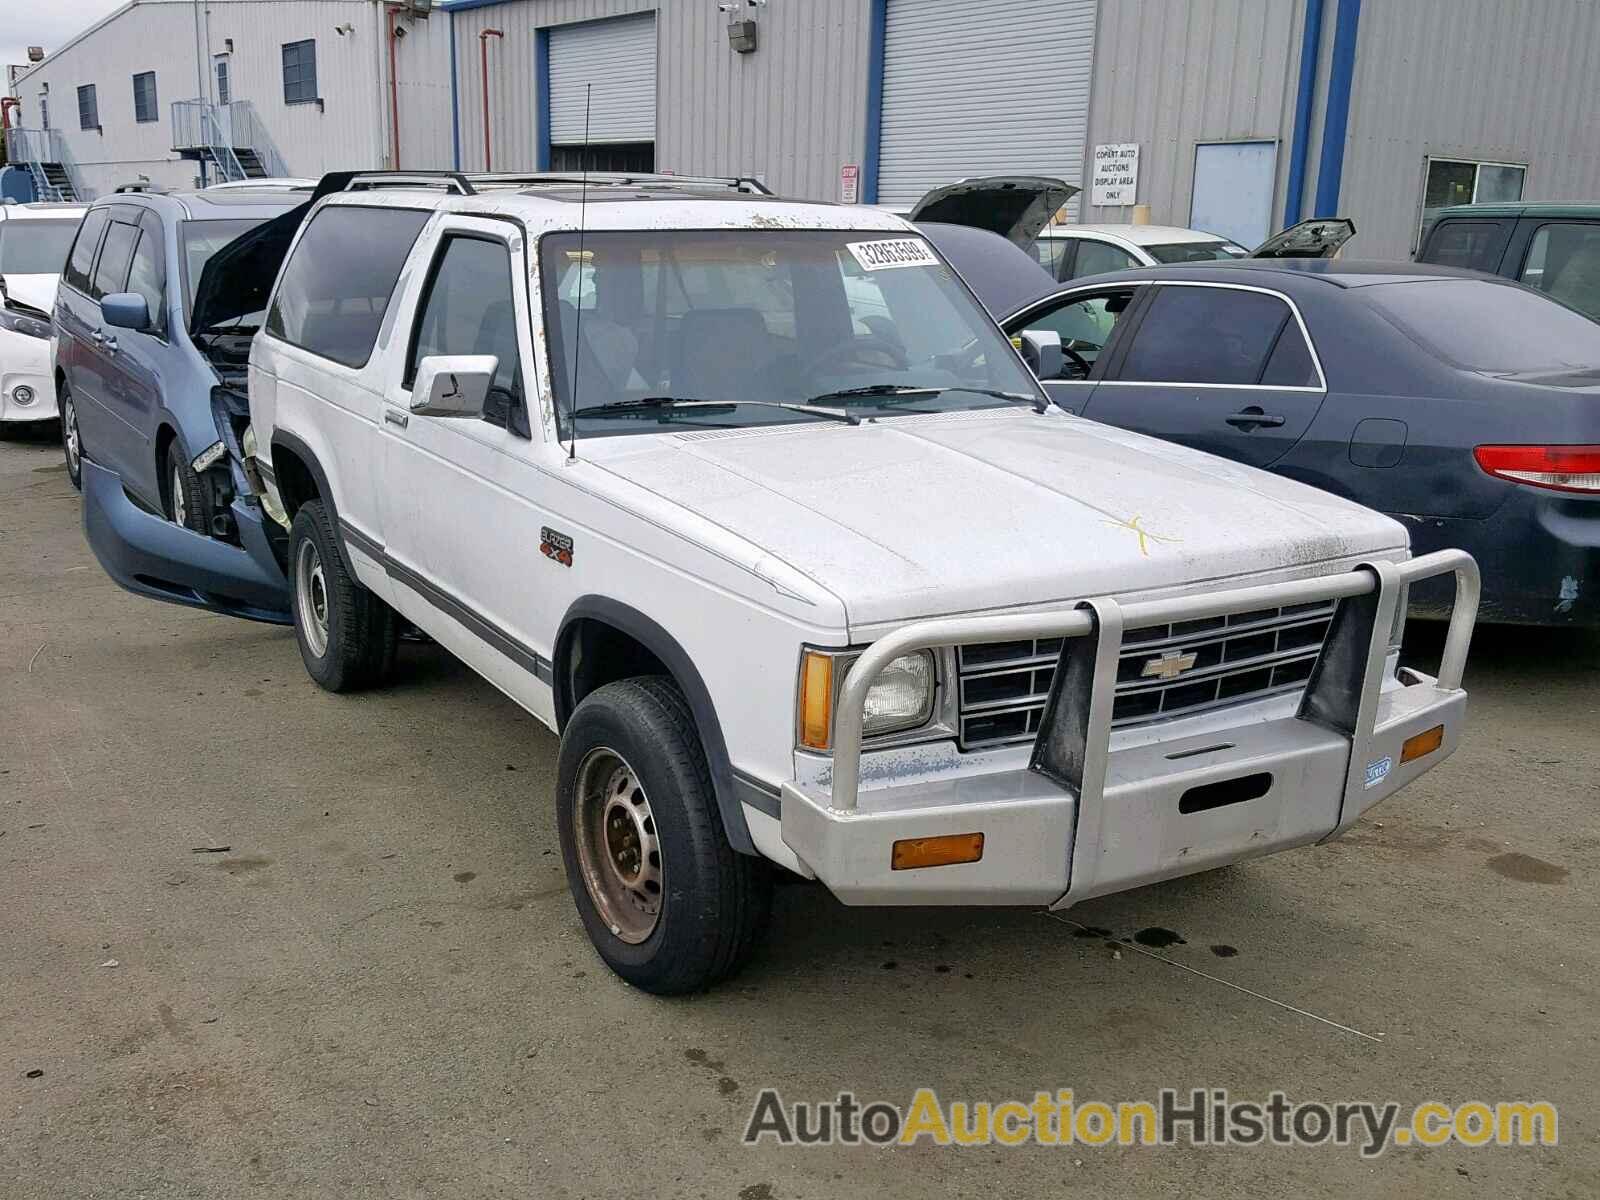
x,y
983,87
619,58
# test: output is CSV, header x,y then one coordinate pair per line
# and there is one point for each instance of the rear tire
x,y
346,635
667,902
187,495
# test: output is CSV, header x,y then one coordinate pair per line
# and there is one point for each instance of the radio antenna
x,y
577,321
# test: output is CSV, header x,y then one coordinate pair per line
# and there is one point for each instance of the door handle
x,y
1254,418
396,418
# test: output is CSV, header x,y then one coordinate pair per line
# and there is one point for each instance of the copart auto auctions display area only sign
x,y
1116,175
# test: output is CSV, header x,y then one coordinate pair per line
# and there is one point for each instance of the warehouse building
x,y
1238,116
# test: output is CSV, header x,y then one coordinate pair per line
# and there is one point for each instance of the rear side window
x,y
1564,262
1477,245
1095,257
111,273
1218,336
82,256
337,284
1485,325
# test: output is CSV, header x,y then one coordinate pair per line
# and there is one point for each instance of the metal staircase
x,y
43,154
228,138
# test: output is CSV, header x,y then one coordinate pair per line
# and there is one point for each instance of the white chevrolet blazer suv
x,y
753,504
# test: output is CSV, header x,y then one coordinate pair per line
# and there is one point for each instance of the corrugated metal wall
x,y
791,112
1503,80
1171,75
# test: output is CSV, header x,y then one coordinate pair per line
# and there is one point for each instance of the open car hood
x,y
239,277
1016,207
1320,237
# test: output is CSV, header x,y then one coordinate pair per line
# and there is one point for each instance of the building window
x,y
1463,181
44,111
300,72
88,108
224,88
144,97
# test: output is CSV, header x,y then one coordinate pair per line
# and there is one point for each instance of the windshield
x,y
202,239
1493,327
765,317
29,247
1183,252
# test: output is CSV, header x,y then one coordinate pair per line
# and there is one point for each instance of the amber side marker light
x,y
1420,744
911,853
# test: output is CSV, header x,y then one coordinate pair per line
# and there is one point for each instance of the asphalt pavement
x,y
261,940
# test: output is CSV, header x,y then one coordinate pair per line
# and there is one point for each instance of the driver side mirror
x,y
1041,350
453,385
125,310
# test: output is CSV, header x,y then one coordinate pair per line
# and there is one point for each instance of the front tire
x,y
188,498
667,902
71,439
346,635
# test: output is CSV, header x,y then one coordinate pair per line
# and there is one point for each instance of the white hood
x,y
36,291
916,516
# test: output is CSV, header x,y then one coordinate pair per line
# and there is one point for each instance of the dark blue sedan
x,y
1467,407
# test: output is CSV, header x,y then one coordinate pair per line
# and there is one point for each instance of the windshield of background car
x,y
1182,252
758,315
1493,327
202,239
29,247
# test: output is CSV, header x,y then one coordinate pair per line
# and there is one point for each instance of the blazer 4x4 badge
x,y
555,545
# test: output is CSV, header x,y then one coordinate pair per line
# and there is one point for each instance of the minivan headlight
x,y
900,698
24,323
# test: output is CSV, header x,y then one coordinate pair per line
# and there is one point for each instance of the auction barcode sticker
x,y
893,252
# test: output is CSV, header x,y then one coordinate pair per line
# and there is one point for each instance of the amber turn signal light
x,y
911,853
816,701
1419,744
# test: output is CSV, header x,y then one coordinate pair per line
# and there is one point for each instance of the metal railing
x,y
220,131
34,149
1110,618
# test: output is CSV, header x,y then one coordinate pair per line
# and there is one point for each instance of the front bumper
x,y
25,363
1081,819
153,557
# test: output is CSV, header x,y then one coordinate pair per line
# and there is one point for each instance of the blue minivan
x,y
150,369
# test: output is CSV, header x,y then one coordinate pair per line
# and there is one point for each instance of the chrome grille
x,y
1238,658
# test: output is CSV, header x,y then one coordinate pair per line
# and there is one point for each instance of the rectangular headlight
x,y
900,698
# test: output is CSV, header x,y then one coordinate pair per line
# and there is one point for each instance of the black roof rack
x,y
461,184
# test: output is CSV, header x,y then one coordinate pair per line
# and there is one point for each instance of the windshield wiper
x,y
890,392
651,404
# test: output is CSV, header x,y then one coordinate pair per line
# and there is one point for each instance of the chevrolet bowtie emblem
x,y
1169,665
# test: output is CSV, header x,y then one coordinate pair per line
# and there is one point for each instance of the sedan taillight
x,y
1560,468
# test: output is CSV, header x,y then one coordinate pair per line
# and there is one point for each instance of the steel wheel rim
x,y
311,597
180,510
70,424
619,851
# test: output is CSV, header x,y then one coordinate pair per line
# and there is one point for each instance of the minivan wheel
x,y
667,902
346,634
71,439
188,498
